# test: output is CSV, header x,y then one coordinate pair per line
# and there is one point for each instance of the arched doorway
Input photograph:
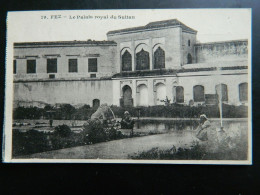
x,y
96,103
222,90
127,96
198,93
142,96
160,95
178,94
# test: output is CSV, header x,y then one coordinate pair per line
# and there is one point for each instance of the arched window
x,y
179,94
222,88
243,91
159,58
198,93
189,59
96,103
126,61
142,60
189,43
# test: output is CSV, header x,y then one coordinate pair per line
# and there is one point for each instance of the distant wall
x,y
221,51
105,60
55,92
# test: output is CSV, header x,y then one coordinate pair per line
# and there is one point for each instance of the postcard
x,y
164,86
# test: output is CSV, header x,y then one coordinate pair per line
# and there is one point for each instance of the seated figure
x,y
127,122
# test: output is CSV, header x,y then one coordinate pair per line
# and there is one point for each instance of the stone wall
x,y
221,51
75,92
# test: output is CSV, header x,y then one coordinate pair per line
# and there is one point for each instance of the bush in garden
x,y
94,131
29,142
113,134
67,111
63,130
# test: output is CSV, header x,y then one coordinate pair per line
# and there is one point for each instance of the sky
x,y
211,24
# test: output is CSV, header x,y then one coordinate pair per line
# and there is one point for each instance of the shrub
x,y
94,131
113,134
63,130
29,142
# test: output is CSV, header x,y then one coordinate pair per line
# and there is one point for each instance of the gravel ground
x,y
119,149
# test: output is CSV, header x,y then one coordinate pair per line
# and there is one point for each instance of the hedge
x,y
68,112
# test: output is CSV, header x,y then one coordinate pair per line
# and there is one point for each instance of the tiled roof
x,y
64,43
155,25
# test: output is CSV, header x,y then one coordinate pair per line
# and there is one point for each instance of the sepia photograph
x,y
164,86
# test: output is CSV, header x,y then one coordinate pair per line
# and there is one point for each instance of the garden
x,y
34,141
69,112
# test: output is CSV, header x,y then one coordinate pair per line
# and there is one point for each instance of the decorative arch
x,y
189,58
142,95
160,93
243,92
159,58
178,92
127,96
222,90
126,60
142,57
198,93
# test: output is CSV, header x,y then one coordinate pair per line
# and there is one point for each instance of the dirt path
x,y
119,149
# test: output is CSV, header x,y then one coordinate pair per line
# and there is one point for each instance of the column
x,y
151,53
133,54
134,92
150,92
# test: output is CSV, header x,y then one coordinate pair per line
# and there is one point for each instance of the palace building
x,y
139,66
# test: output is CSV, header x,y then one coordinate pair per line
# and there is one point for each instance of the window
x,y
93,75
14,66
189,43
126,61
52,65
73,65
142,60
159,58
179,94
92,65
222,88
189,59
198,93
31,66
243,91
